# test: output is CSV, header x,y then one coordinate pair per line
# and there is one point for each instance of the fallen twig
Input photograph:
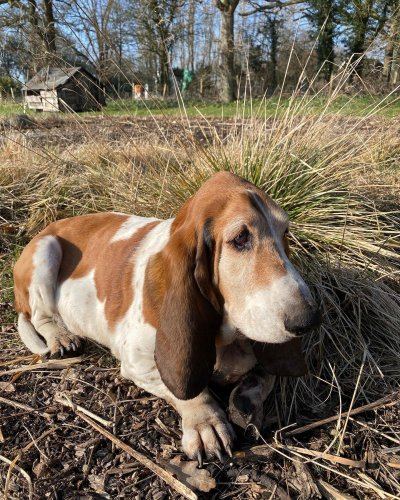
x,y
31,357
366,426
52,364
395,465
64,400
161,473
16,404
385,401
22,406
262,449
326,456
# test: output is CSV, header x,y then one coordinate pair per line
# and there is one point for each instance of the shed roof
x,y
52,78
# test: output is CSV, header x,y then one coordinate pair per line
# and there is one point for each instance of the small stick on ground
x,y
29,357
326,456
391,399
159,471
64,400
22,406
52,364
16,404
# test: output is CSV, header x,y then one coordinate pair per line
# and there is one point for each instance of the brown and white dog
x,y
209,293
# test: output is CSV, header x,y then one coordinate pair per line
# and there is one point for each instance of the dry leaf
x,y
189,474
97,483
198,478
331,493
42,469
7,387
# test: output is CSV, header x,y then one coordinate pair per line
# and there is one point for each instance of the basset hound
x,y
208,294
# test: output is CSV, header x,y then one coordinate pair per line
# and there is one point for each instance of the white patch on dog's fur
x,y
134,341
81,310
262,315
130,226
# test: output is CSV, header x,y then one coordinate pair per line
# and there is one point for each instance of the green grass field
x,y
357,106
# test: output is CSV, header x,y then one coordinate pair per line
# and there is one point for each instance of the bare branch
x,y
270,6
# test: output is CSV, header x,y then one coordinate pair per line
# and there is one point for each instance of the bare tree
x,y
392,50
227,47
157,31
39,24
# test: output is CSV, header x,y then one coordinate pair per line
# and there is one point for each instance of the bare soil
x,y
66,130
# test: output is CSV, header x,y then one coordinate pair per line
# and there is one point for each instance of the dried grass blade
x,y
388,400
331,493
327,456
13,462
20,470
22,406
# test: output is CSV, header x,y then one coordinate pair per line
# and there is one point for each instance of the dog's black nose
x,y
303,319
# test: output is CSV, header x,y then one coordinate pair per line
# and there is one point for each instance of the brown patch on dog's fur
x,y
82,240
154,288
23,272
114,274
86,245
112,261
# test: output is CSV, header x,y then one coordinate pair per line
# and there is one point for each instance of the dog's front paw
x,y
246,402
206,430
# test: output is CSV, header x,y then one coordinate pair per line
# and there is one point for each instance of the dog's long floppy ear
x,y
190,315
282,359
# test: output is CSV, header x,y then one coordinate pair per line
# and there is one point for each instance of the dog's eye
x,y
242,240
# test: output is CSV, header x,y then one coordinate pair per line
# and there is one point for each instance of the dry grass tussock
x,y
334,177
346,246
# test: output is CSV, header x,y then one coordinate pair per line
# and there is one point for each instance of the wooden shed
x,y
63,89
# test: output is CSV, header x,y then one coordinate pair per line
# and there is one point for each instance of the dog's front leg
x,y
205,427
246,402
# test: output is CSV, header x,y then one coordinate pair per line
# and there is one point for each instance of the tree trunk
x,y
50,29
325,47
164,70
228,85
360,26
357,48
36,35
190,35
392,47
274,53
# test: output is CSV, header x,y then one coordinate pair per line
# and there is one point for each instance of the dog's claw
x,y
62,351
200,459
219,455
73,346
228,450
